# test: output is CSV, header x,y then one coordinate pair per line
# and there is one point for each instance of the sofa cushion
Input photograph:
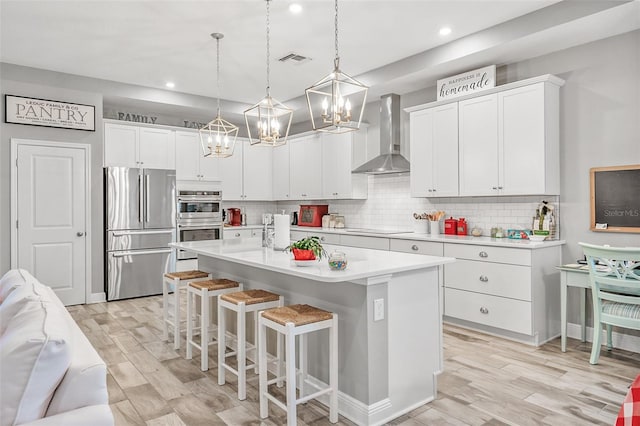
x,y
35,353
20,288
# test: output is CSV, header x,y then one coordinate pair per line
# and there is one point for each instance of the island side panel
x,y
348,300
415,338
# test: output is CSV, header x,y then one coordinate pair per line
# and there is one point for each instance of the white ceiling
x,y
147,43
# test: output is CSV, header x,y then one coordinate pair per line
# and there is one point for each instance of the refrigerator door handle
x,y
146,204
139,252
126,233
140,199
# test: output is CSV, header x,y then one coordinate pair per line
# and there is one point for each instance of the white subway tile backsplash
x,y
389,206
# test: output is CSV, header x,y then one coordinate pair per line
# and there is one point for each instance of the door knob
x,y
79,234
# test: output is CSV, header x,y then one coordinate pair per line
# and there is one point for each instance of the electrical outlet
x,y
378,309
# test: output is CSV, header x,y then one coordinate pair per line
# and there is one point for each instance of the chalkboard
x,y
615,198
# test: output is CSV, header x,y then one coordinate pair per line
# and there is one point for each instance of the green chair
x,y
614,273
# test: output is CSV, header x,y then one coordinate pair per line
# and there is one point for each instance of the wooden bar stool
x,y
206,290
175,281
292,321
242,302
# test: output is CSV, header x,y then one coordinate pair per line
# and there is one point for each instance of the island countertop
x,y
362,263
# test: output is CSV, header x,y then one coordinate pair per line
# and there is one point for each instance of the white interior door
x,y
50,185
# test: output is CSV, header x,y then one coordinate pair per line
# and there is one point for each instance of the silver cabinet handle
x,y
484,278
322,238
414,247
237,234
484,310
430,190
483,254
79,234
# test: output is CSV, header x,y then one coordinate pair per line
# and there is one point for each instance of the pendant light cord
x,y
218,72
336,61
268,52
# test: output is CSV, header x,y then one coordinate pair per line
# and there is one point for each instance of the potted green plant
x,y
308,248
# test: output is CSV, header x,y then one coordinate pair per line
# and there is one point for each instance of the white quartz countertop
x,y
441,238
362,263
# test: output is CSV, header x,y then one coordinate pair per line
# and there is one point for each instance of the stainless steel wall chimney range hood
x,y
389,160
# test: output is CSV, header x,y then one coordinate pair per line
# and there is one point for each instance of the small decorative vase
x,y
337,261
299,254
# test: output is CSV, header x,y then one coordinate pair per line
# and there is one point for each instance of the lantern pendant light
x,y
218,137
268,121
336,103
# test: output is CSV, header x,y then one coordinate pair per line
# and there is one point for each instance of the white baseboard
x,y
620,340
97,297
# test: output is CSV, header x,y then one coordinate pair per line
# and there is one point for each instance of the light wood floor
x,y
487,380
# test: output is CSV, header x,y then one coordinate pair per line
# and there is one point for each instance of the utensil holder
x,y
434,226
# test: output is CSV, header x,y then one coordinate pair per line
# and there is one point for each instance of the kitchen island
x,y
390,323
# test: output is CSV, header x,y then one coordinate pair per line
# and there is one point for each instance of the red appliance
x,y
462,227
235,217
311,215
450,226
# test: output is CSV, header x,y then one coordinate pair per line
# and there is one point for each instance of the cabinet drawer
x,y
513,281
418,247
365,242
297,235
494,311
327,238
489,253
236,233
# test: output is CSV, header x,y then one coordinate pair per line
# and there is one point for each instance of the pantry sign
x,y
48,113
467,83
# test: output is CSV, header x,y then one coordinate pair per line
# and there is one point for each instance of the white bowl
x,y
537,238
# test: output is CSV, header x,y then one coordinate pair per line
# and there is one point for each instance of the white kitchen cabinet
x,y
191,164
337,162
434,151
305,160
509,142
231,174
528,140
364,242
257,180
478,145
281,173
230,233
137,146
512,292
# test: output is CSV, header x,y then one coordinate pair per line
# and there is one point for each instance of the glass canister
x,y
337,260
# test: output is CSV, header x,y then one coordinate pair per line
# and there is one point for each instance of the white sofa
x,y
49,372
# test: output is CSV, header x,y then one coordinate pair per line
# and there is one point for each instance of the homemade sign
x,y
615,204
48,113
467,83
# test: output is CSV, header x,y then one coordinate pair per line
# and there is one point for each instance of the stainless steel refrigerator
x,y
140,223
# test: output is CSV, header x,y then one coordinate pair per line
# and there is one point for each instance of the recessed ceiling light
x,y
170,85
445,31
295,8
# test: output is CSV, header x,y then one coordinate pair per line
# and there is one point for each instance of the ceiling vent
x,y
294,58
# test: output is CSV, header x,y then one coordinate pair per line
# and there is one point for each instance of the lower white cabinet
x,y
417,247
514,292
365,242
231,233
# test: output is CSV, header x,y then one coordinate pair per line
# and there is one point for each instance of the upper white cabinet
x,y
257,177
281,172
190,161
137,146
337,163
247,174
434,151
478,137
305,159
509,142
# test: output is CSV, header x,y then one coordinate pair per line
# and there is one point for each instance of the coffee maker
x,y
234,217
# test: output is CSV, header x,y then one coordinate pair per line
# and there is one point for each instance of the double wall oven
x,y
199,216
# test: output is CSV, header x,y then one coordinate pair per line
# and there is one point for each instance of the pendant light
x,y
336,103
268,121
218,137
